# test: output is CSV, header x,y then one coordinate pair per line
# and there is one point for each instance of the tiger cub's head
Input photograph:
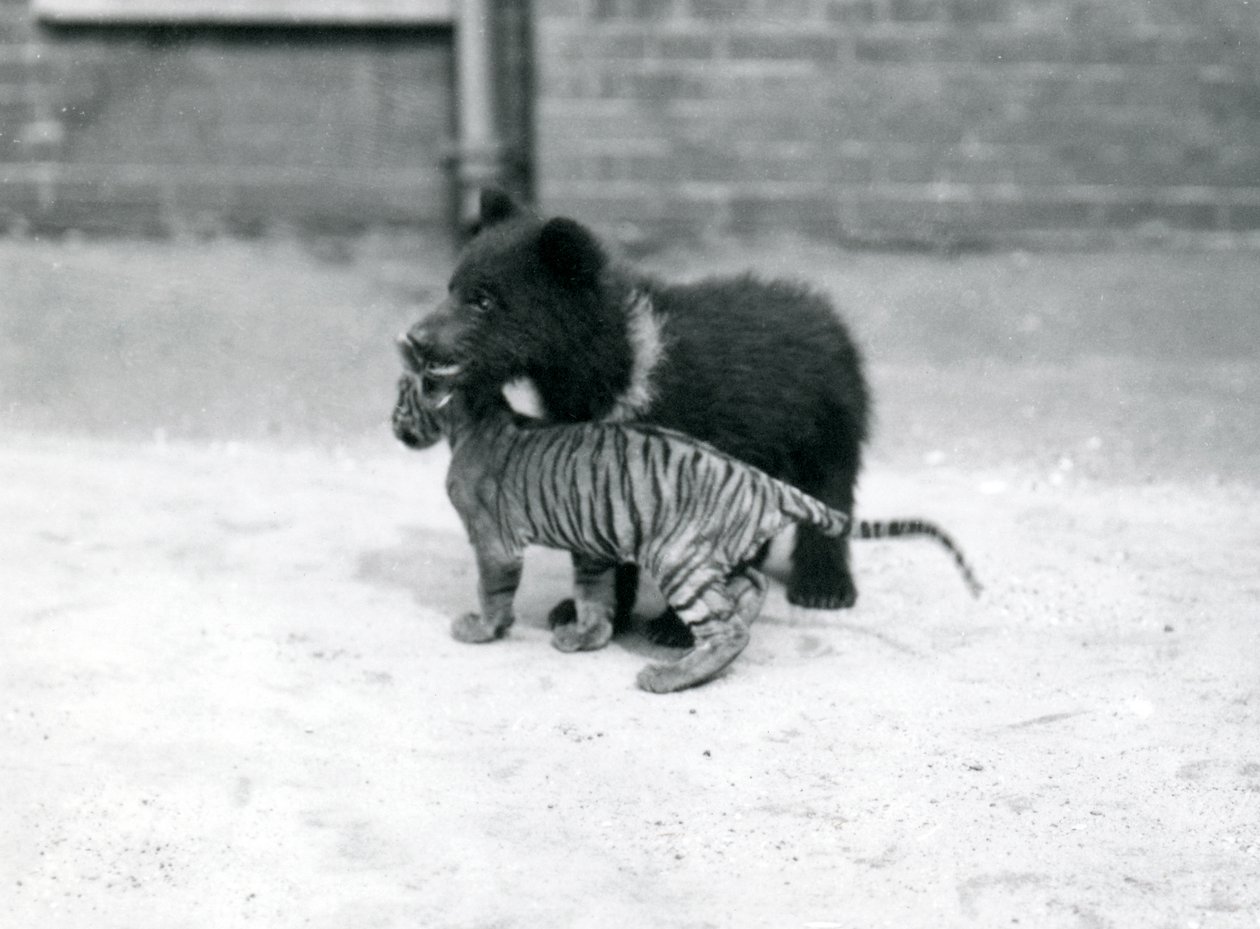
x,y
416,420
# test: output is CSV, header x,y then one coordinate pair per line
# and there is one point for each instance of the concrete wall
x,y
935,121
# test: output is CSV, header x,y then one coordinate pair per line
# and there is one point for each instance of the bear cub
x,y
764,370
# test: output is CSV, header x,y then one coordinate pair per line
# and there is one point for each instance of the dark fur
x,y
764,370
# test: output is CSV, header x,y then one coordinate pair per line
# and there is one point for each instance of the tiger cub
x,y
694,518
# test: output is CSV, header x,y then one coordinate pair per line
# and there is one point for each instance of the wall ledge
x,y
247,12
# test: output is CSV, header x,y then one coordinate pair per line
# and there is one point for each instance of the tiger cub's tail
x,y
894,528
810,511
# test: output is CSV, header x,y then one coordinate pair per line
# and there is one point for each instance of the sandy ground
x,y
228,697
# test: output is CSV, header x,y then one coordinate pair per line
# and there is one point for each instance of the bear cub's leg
x,y
820,577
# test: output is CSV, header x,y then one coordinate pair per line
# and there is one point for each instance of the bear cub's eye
x,y
480,300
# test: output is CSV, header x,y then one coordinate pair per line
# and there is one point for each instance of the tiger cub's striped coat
x,y
694,518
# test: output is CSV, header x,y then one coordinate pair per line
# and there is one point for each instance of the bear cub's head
x,y
527,297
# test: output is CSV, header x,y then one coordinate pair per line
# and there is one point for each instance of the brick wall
x,y
929,121
159,130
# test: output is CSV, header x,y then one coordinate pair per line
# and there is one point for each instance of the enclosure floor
x,y
230,696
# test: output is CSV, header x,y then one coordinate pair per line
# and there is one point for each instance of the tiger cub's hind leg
x,y
594,603
748,588
669,629
718,643
721,633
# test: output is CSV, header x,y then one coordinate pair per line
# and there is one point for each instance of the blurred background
x,y
946,123
1040,218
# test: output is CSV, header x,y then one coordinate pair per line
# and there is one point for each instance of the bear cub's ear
x,y
571,251
496,206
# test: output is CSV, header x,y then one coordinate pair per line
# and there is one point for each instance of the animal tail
x,y
896,528
808,510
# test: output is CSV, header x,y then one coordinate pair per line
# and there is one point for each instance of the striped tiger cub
x,y
694,518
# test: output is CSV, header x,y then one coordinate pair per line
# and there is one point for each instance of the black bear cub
x,y
764,370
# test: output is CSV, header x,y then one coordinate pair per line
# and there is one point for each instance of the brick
x,y
974,171
1242,217
710,165
695,46
551,10
1124,49
920,124
975,12
651,9
850,169
666,211
912,47
807,167
718,9
796,12
22,195
1042,214
904,170
915,11
633,9
1192,216
15,112
815,216
16,69
1029,172
852,12
633,46
1227,101
667,85
1023,47
1237,166
785,46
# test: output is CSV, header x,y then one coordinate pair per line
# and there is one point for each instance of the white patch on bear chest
x,y
643,329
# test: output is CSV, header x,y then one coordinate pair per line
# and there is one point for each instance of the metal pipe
x,y
479,156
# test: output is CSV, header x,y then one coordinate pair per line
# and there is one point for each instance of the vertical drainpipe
x,y
479,155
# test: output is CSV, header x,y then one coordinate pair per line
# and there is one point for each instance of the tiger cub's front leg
x,y
498,576
594,603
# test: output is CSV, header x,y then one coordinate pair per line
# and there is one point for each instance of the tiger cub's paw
x,y
582,637
718,643
473,629
667,678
